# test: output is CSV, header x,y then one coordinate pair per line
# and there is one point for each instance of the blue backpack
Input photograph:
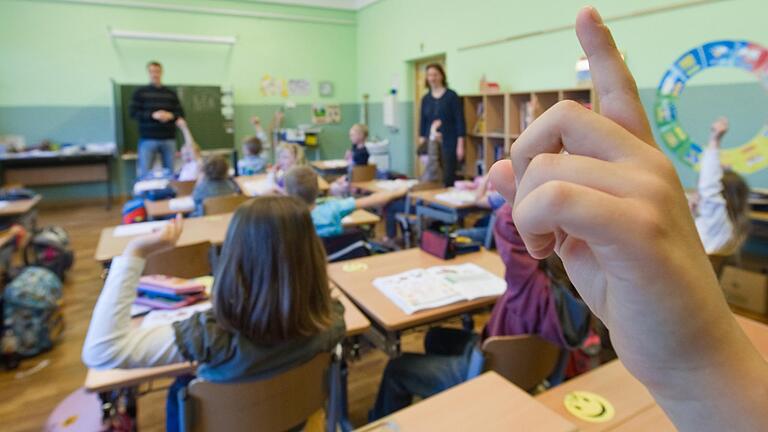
x,y
31,312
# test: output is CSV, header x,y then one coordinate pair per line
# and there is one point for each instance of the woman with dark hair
x,y
442,103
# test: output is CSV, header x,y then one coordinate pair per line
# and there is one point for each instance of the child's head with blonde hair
x,y
358,133
290,155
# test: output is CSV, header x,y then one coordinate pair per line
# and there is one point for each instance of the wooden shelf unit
x,y
501,118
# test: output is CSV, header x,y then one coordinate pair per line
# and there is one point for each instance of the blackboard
x,y
202,110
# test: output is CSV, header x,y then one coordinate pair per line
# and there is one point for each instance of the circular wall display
x,y
747,158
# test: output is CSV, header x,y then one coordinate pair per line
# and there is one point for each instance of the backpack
x,y
32,313
49,248
134,211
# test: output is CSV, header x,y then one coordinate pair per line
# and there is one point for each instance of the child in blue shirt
x,y
301,182
252,161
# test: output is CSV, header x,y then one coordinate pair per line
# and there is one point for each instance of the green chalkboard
x,y
202,110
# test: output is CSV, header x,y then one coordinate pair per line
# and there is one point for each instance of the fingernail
x,y
595,15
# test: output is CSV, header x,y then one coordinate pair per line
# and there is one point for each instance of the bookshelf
x,y
495,121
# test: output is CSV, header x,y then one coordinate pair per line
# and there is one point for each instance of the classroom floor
x,y
26,399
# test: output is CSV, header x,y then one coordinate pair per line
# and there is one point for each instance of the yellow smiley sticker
x,y
588,406
354,267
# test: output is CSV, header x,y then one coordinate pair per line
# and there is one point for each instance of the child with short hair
x,y
252,161
214,182
301,182
272,308
192,163
358,154
721,206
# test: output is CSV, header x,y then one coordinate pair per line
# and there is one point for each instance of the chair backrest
x,y
524,360
184,261
348,245
223,204
183,188
363,173
273,404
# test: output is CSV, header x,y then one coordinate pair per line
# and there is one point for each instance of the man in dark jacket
x,y
156,108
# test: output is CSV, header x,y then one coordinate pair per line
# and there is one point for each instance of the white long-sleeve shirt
x,y
112,342
712,221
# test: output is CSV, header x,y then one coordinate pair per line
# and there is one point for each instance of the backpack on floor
x,y
32,313
49,248
134,211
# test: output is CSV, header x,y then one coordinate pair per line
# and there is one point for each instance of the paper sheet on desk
x,y
258,187
393,185
148,185
457,197
336,163
164,317
4,204
138,228
182,204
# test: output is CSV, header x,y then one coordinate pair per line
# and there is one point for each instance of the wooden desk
x,y
111,379
611,381
635,408
55,168
487,403
387,318
19,207
360,217
211,228
161,209
430,197
243,180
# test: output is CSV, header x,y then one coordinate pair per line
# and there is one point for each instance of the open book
x,y
397,184
421,289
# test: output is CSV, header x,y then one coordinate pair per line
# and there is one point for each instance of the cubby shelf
x,y
495,121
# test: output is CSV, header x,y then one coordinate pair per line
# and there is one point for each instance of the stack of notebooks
x,y
168,292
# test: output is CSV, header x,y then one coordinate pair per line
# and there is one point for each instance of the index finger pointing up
x,y
616,89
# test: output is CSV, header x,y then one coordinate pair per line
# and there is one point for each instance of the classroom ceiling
x,y
327,4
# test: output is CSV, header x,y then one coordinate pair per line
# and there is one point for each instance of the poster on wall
x,y
299,87
746,158
273,86
326,114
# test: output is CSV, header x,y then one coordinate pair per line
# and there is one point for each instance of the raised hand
x,y
157,241
717,130
613,209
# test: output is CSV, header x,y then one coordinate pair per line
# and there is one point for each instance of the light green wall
x,y
61,54
393,33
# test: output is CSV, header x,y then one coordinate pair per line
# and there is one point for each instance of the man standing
x,y
156,108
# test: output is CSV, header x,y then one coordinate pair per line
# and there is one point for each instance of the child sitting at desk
x,y
485,198
530,305
272,309
192,163
214,182
358,155
301,182
720,206
253,146
289,155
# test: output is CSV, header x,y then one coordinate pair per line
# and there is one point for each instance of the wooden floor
x,y
27,400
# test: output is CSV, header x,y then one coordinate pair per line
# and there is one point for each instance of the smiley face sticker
x,y
588,406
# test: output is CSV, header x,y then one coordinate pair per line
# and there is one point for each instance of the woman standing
x,y
442,103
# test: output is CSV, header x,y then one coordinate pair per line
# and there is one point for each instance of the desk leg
x,y
387,341
108,167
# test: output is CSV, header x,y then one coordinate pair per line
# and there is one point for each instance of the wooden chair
x,y
525,360
184,261
223,204
363,173
183,188
280,403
